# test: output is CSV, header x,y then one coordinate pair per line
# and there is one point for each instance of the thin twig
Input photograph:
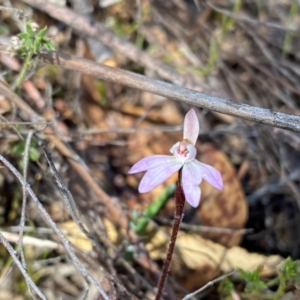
x,y
207,285
84,295
10,124
22,220
52,224
15,123
19,13
26,112
69,200
24,198
163,128
201,228
67,196
32,241
250,20
20,266
140,82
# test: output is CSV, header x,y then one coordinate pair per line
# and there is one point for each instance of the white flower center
x,y
184,151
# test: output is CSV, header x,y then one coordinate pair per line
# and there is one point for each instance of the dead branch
x,y
140,82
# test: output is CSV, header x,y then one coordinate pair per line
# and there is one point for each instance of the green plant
x,y
253,282
18,150
139,222
225,289
28,44
288,278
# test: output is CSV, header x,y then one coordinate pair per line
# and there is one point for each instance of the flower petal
x,y
174,148
191,126
157,175
190,172
150,162
210,174
192,153
191,178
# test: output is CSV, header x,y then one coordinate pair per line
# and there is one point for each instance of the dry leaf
x,y
111,230
197,260
5,105
76,236
227,208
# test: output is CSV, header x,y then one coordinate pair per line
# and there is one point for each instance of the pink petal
x,y
157,175
190,172
150,162
191,126
174,148
210,174
191,178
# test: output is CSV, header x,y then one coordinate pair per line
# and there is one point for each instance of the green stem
x,y
259,296
281,287
25,67
272,282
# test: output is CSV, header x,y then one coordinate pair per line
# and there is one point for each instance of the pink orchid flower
x,y
161,167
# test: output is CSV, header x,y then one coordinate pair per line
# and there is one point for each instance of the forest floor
x,y
94,130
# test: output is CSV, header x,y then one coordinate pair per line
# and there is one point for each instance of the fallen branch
x,y
140,82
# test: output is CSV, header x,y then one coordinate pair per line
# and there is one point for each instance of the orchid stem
x,y
178,215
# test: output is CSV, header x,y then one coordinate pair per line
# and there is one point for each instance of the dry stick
x,y
24,200
162,128
32,241
11,125
28,279
140,82
52,224
22,220
18,12
101,33
84,295
69,200
207,285
202,228
109,39
67,196
178,214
